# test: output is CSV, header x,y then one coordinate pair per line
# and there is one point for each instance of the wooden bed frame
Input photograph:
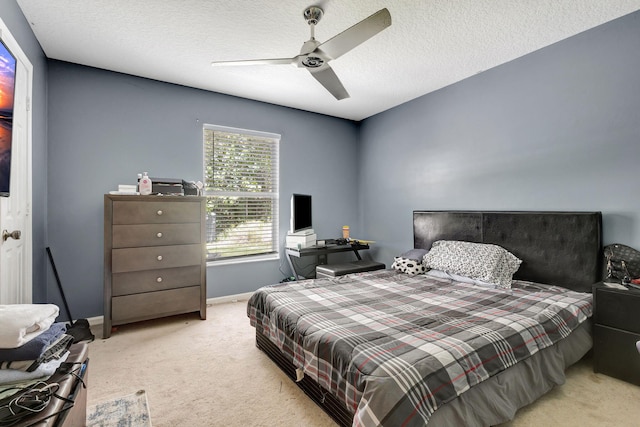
x,y
557,248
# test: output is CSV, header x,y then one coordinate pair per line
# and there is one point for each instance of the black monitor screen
x,y
300,212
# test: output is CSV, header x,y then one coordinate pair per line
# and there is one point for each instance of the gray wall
x,y
558,129
105,127
19,27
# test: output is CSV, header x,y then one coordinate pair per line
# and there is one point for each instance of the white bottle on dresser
x,y
145,184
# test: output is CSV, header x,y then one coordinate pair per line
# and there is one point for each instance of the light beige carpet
x,y
210,373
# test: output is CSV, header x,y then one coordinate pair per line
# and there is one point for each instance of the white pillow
x,y
485,262
458,278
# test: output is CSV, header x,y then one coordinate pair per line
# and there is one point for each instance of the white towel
x,y
20,323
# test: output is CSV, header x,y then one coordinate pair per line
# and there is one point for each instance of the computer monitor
x,y
301,219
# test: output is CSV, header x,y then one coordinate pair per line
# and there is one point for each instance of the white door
x,y
15,216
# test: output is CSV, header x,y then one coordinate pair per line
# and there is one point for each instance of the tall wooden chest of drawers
x,y
154,258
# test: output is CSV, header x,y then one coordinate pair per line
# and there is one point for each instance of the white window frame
x,y
208,192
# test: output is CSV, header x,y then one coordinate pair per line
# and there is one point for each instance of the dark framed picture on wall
x,y
7,92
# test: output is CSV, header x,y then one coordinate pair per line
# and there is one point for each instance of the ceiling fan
x,y
315,56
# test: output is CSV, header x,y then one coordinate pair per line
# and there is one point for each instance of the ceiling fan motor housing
x,y
313,14
312,62
309,56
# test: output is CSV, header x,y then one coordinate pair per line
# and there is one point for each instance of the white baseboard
x,y
229,298
99,320
95,321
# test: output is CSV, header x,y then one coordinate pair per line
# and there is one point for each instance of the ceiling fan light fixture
x,y
312,62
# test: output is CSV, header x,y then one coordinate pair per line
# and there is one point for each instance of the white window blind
x,y
241,187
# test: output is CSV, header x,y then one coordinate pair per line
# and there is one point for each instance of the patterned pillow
x,y
488,263
408,265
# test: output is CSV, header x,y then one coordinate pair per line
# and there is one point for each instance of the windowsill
x,y
244,260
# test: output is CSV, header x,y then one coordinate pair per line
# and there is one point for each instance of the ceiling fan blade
x,y
328,78
276,61
355,35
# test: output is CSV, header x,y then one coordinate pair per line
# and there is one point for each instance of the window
x,y
241,187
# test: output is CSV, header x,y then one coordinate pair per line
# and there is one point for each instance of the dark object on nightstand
x,y
616,330
622,263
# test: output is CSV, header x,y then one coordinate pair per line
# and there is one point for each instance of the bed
x,y
332,335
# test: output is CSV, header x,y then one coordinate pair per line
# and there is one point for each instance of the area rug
x,y
126,411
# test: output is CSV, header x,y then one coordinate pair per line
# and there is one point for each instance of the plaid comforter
x,y
395,347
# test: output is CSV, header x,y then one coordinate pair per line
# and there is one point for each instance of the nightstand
x,y
616,329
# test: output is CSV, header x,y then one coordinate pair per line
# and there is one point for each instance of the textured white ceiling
x,y
430,44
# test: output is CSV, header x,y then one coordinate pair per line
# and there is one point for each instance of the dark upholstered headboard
x,y
556,248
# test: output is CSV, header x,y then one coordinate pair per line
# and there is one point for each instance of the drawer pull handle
x,y
160,212
159,257
159,235
159,280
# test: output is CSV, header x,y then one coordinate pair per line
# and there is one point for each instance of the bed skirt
x,y
334,408
491,402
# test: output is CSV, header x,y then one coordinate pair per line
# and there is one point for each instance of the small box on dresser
x,y
154,258
616,330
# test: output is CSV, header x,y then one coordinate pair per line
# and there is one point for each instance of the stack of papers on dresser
x,y
125,189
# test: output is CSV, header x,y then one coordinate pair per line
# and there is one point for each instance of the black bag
x,y
622,263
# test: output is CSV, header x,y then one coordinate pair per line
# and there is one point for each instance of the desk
x,y
321,252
